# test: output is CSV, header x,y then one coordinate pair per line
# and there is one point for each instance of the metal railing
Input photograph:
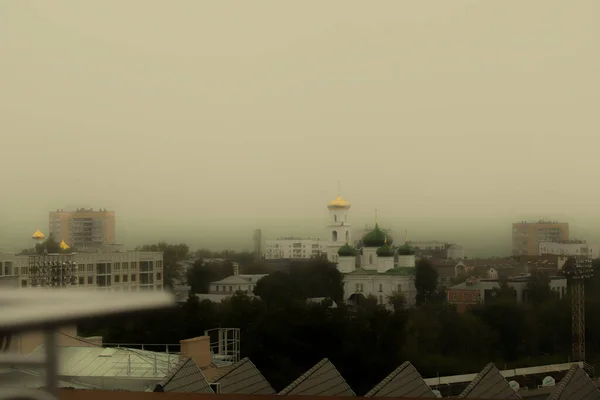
x,y
47,310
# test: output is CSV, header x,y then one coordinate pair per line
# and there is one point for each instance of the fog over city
x,y
199,122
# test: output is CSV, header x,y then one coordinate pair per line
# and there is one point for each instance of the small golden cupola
x,y
338,204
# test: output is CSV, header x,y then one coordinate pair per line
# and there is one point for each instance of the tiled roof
x,y
243,378
489,384
321,380
185,377
405,381
575,385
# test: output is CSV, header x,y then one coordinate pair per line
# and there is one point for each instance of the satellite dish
x,y
548,381
437,394
514,385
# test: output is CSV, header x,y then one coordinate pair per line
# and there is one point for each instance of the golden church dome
x,y
338,203
38,235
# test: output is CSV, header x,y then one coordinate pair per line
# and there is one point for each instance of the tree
x,y
426,281
202,274
538,289
173,254
397,301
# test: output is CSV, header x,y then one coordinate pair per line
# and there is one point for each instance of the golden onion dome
x,y
338,203
38,235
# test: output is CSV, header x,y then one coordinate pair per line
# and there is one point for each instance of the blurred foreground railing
x,y
47,310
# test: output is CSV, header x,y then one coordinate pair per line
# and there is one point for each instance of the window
x,y
90,268
399,288
334,218
125,266
133,277
231,288
125,278
8,268
454,296
370,259
159,265
90,280
82,280
117,278
134,265
381,287
347,236
117,267
158,276
23,283
357,287
81,268
334,236
464,297
217,288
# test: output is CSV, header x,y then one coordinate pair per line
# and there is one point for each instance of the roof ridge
x,y
388,379
233,368
558,391
489,367
304,376
171,374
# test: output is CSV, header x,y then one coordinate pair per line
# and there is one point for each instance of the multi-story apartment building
x,y
569,248
292,247
115,271
83,229
526,236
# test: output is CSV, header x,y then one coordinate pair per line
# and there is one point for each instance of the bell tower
x,y
338,228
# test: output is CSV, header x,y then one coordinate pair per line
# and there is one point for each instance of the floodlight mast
x,y
577,270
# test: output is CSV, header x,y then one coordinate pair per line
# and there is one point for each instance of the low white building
x,y
111,271
570,248
293,247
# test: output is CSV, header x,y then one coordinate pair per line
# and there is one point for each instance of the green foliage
x,y
426,281
313,278
203,273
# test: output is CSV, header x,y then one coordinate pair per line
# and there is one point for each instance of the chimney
x,y
198,349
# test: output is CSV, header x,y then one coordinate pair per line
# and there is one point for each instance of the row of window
x,y
144,279
230,289
474,297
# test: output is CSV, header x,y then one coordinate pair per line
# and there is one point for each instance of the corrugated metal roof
x,y
575,385
185,377
489,384
98,362
405,381
321,380
243,378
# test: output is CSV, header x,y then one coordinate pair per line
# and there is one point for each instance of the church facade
x,y
377,269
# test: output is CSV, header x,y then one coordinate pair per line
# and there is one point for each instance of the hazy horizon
x,y
199,122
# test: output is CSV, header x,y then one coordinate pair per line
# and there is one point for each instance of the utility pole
x,y
577,270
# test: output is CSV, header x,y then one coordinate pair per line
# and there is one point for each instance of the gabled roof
x,y
243,378
405,381
575,385
489,384
321,380
185,377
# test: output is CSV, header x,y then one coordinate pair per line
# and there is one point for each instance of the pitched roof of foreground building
x,y
404,381
184,377
243,378
575,385
321,380
489,384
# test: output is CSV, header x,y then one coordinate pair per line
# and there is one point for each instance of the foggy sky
x,y
199,121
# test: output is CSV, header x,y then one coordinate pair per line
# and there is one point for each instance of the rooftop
x,y
321,380
405,271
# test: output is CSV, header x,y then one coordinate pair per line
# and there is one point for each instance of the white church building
x,y
378,273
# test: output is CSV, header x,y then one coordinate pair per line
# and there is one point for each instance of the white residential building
x,y
570,248
292,247
112,271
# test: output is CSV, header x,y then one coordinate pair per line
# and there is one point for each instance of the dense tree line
x,y
284,335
